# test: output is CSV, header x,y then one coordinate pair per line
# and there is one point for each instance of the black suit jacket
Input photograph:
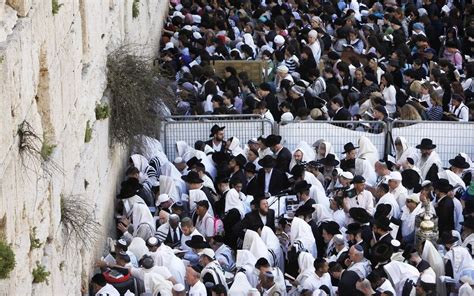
x,y
272,105
342,114
445,213
253,221
239,175
252,187
283,160
347,283
278,181
222,146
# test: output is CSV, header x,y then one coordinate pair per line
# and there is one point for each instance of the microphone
x,y
284,192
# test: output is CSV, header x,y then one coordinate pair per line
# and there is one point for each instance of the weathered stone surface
x,y
52,74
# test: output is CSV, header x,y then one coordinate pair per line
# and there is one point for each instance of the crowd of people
x,y
325,60
225,218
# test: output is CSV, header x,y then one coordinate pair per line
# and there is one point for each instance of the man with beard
x,y
444,205
430,162
261,216
236,164
217,142
348,163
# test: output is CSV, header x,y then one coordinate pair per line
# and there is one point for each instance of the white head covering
x,y
433,257
235,148
321,214
254,243
407,151
301,231
367,150
306,149
156,283
138,247
245,259
273,244
141,163
141,214
233,201
196,195
184,150
241,285
399,272
306,267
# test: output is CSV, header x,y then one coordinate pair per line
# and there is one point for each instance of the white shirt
x,y
408,219
268,115
205,225
313,283
161,270
389,199
364,200
267,181
400,193
316,49
198,289
264,219
108,290
390,97
461,112
386,286
216,147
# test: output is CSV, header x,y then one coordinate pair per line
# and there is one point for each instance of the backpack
x,y
218,225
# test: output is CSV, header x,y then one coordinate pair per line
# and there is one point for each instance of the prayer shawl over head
x,y
274,247
433,257
306,267
157,161
399,273
241,285
368,151
233,201
184,150
207,162
168,169
138,247
328,149
235,148
168,186
302,237
406,152
308,153
146,172
460,260
425,164
316,191
147,146
321,214
365,169
156,283
254,243
136,208
454,180
216,271
196,195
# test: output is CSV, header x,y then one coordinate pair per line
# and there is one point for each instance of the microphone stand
x,y
278,196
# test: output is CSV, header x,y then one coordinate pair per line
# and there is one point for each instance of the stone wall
x,y
52,75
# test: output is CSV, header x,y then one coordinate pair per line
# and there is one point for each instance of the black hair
x,y
99,279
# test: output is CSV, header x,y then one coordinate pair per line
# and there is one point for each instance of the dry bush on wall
x,y
139,95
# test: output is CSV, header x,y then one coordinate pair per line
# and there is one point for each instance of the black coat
x,y
252,187
445,213
283,160
347,283
342,114
210,145
239,175
272,106
278,181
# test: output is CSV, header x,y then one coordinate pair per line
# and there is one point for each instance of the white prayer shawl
x,y
321,214
389,199
216,271
233,201
141,163
254,243
156,283
138,247
465,290
184,151
365,169
141,215
460,260
168,169
147,146
469,241
302,235
362,268
469,161
368,151
168,186
406,152
316,191
306,267
196,195
408,219
235,148
273,245
329,149
308,153
241,285
207,162
454,180
399,272
433,257
264,152
425,165
225,257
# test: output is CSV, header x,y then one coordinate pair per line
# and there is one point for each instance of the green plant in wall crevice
x,y
40,274
7,260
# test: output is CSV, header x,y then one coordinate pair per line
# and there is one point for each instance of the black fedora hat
x,y
410,179
353,228
304,210
297,170
258,197
192,177
447,238
382,210
468,222
215,129
222,178
129,188
331,227
383,223
250,167
348,147
272,140
459,162
197,242
442,185
220,157
267,162
382,252
240,160
330,160
360,215
301,186
193,161
426,144
358,179
408,252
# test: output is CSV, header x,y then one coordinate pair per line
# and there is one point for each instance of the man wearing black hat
x,y
361,216
252,187
411,255
348,163
217,142
444,205
360,198
193,181
455,173
329,230
236,165
381,229
354,236
270,179
261,216
265,93
468,234
430,162
283,155
301,189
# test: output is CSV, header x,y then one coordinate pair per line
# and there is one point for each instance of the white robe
x,y
302,235
425,165
254,243
367,151
240,286
399,273
434,258
233,201
308,153
406,152
273,244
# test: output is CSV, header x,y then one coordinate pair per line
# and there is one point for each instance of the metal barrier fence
x,y
450,137
192,129
337,133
